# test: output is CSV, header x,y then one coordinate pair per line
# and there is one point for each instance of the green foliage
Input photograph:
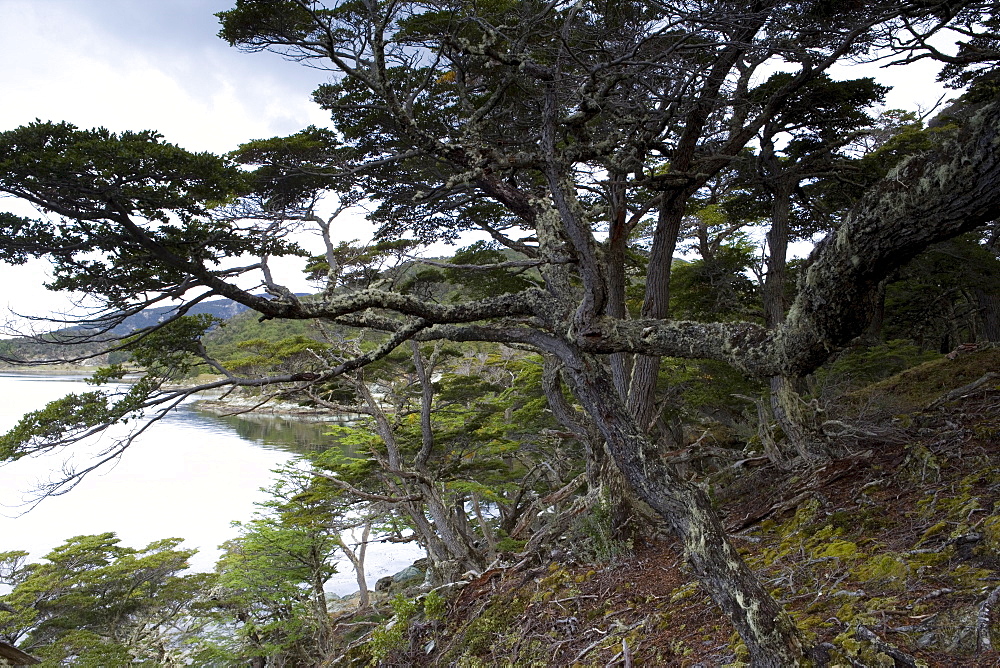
x,y
821,112
135,212
918,386
391,636
478,284
223,341
295,354
289,173
435,606
73,417
705,389
174,349
101,603
933,299
596,542
134,170
490,426
107,374
360,265
270,601
251,20
716,288
862,366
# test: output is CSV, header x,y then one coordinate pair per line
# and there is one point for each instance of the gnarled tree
x,y
575,135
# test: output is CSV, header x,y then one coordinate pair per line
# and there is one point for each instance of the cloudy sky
x,y
157,64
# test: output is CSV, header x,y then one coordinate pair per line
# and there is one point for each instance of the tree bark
x,y
769,633
989,312
951,189
656,304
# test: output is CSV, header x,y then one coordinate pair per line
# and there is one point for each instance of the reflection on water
x,y
278,433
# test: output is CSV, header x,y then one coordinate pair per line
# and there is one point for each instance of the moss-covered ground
x,y
887,556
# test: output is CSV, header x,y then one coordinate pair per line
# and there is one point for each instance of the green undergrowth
x,y
908,556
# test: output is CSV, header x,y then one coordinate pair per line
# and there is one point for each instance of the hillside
x,y
889,556
60,344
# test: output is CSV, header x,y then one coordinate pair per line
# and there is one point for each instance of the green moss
x,y
494,628
921,463
684,591
933,531
917,387
840,549
990,529
887,569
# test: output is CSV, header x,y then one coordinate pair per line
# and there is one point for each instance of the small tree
x,y
96,602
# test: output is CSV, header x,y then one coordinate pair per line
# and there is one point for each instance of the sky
x,y
158,64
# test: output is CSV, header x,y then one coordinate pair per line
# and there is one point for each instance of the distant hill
x,y
224,309
55,345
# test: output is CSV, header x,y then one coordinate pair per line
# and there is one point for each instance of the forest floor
x,y
886,556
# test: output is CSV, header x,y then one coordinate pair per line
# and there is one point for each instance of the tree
x,y
270,603
101,603
943,297
456,447
573,134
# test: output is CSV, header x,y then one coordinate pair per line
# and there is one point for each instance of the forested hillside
x,y
87,344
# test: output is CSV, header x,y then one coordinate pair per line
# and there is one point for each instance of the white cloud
x,y
59,62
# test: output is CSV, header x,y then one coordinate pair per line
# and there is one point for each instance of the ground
x,y
887,556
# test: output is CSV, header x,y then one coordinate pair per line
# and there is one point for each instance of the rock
x,y
408,574
406,579
383,584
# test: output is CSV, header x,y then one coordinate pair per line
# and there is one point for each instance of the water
x,y
189,475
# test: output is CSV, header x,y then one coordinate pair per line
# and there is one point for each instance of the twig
x,y
626,653
964,390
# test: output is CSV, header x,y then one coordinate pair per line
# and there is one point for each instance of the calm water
x,y
189,476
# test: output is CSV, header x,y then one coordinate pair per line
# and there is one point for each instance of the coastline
x,y
273,408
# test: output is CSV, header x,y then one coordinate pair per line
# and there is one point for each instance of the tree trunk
x,y
872,335
797,420
357,559
790,412
656,304
768,632
989,311
639,389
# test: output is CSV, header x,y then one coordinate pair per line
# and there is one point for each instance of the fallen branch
x,y
900,657
984,621
964,390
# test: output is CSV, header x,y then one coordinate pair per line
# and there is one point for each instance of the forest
x,y
625,421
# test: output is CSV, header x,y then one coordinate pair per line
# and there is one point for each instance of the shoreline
x,y
49,369
248,406
230,406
